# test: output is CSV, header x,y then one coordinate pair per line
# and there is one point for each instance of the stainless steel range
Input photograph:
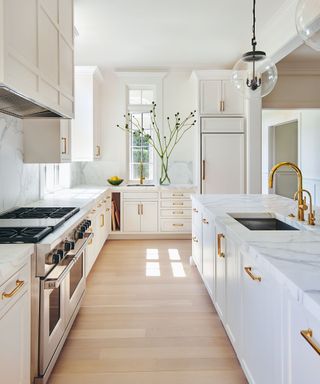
x,y
61,236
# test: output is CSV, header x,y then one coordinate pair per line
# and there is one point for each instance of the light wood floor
x,y
155,329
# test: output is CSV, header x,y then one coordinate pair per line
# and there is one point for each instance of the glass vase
x,y
164,177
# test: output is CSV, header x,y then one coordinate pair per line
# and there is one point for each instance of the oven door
x,y
75,285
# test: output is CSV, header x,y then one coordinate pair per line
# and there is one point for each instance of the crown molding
x,y
141,74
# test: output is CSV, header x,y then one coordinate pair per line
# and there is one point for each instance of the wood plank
x,y
135,328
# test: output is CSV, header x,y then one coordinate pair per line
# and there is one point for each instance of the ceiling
x,y
166,33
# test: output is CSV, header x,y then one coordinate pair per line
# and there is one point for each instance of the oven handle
x,y
53,280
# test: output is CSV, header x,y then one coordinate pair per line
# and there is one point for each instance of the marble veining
x,y
19,182
293,257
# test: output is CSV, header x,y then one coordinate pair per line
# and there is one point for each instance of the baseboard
x,y
150,236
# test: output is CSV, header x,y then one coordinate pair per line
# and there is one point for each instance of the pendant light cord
x,y
253,41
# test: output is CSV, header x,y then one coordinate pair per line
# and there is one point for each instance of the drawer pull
x,y
177,225
107,209
19,285
195,240
195,210
249,272
101,220
178,194
307,334
177,212
177,204
205,221
220,236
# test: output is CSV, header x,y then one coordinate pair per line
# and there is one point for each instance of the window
x,y
141,156
56,176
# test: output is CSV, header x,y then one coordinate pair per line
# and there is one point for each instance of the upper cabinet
x,y
37,40
86,126
218,97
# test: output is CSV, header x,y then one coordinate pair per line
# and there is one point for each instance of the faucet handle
x,y
304,204
312,218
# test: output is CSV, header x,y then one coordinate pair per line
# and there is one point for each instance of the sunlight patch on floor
x,y
152,254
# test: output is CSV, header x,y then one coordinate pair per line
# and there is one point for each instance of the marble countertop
x,y
153,188
12,258
293,257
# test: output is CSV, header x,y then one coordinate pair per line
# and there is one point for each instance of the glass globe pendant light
x,y
308,22
254,75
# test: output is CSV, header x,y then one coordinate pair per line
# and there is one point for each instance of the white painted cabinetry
x,y
86,126
220,277
208,253
218,97
47,140
197,237
223,155
140,216
36,40
15,327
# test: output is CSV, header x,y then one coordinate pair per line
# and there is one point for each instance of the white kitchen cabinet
x,y
218,97
208,254
37,51
261,322
15,329
197,236
223,163
220,276
302,361
140,216
86,126
233,293
47,140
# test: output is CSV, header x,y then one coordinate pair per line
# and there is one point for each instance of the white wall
x,y
308,145
179,95
19,183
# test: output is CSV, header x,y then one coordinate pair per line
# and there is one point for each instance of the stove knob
x,y
56,258
88,223
83,228
80,234
60,253
67,246
72,244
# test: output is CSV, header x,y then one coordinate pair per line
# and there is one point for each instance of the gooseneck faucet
x,y
301,205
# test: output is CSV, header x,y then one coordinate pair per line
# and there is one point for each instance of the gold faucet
x,y
301,205
311,215
142,178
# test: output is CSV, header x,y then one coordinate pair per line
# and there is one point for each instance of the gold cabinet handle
x,y
90,241
99,205
219,237
64,143
177,194
195,240
175,203
177,212
98,152
107,209
195,210
177,225
222,106
141,209
203,169
102,220
205,221
307,334
93,211
19,285
249,272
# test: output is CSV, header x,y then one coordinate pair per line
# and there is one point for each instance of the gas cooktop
x,y
23,234
41,213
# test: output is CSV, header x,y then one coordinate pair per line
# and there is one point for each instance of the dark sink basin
x,y
265,224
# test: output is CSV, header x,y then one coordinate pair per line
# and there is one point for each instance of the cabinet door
x,y
210,97
233,309
96,118
149,216
302,362
261,322
15,342
220,278
208,253
233,102
223,163
131,216
93,245
65,133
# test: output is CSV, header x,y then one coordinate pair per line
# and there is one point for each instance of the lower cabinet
x,y
15,328
208,253
302,345
220,276
261,322
140,216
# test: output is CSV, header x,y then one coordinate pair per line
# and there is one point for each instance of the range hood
x,y
15,104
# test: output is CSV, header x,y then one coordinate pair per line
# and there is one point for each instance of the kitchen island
x,y
265,285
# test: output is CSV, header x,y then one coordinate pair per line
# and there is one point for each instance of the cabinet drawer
x,y
175,213
175,225
175,204
175,195
218,125
14,287
140,196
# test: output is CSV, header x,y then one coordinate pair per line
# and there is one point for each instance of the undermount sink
x,y
265,222
140,185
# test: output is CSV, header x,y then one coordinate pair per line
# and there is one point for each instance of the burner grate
x,y
41,213
23,234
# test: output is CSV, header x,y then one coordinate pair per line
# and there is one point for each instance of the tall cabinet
x,y
221,142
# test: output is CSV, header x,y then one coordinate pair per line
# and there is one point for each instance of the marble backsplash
x,y
19,182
